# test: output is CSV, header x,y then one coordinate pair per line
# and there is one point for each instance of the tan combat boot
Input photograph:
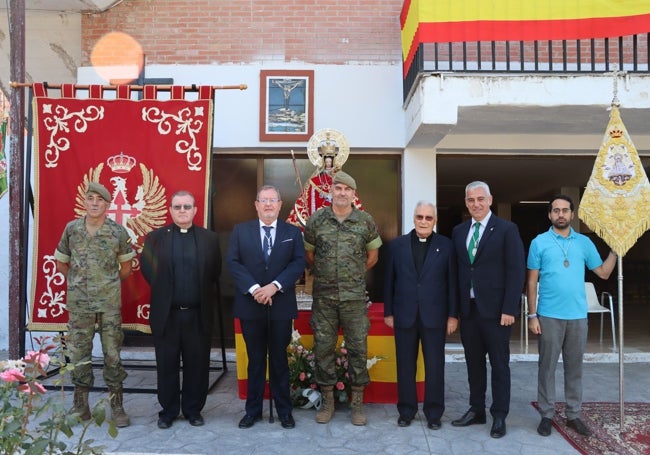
x,y
118,415
80,403
356,404
326,410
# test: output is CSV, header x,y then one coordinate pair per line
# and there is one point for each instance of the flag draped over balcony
x,y
616,201
141,150
448,21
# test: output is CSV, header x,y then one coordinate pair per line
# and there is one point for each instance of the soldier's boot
x,y
358,416
80,403
115,397
326,410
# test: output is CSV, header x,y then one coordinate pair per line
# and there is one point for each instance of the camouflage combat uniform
x,y
340,254
94,296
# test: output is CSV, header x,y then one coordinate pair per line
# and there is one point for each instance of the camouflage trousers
x,y
327,315
81,330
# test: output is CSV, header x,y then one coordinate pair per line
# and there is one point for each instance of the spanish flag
x,y
616,200
448,21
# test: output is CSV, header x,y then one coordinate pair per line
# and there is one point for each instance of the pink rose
x,y
32,388
340,386
41,358
344,351
302,376
12,375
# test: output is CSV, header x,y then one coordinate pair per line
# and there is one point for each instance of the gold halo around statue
x,y
328,142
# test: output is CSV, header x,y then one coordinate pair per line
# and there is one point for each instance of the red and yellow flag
x,y
448,21
616,200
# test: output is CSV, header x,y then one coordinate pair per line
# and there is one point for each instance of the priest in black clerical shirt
x,y
182,262
420,304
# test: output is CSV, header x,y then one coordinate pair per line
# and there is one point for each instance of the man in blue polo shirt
x,y
558,315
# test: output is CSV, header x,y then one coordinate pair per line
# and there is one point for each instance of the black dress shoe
x,y
469,418
163,424
404,421
287,421
579,427
196,420
434,424
248,420
544,428
498,428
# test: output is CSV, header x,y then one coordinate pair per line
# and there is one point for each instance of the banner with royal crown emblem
x,y
142,151
616,199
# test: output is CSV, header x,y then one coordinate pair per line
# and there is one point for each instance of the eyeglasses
x,y
273,200
563,211
183,206
423,217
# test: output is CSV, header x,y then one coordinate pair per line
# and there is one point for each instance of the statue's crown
x,y
328,148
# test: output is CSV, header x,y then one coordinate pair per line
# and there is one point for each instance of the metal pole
x,y
621,394
162,87
268,351
17,265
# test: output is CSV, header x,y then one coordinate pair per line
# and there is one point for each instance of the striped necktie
x,y
267,245
473,242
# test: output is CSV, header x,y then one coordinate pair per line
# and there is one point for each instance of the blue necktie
x,y
267,245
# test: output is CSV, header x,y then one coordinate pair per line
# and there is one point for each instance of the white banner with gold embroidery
x,y
616,201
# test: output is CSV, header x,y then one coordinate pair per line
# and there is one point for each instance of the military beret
x,y
346,179
94,187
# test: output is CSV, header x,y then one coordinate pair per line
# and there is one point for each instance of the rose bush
x,y
32,423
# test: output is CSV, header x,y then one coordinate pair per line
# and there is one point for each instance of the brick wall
x,y
243,31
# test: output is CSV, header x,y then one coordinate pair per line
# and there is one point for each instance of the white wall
x,y
52,49
363,102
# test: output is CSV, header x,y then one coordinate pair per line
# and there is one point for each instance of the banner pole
x,y
187,88
621,397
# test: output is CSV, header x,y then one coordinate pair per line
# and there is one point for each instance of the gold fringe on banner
x,y
616,202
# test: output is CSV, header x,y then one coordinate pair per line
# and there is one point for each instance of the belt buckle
x,y
183,308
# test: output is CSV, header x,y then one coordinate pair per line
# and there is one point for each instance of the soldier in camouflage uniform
x,y
94,254
342,243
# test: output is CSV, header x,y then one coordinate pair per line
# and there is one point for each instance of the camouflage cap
x,y
94,187
346,179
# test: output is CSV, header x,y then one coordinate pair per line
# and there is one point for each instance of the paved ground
x,y
220,435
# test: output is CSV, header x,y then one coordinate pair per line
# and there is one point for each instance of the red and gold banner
x,y
141,150
448,21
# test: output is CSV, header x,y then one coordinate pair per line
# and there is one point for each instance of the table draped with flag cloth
x,y
381,343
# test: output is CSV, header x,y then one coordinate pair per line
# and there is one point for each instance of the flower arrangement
x,y
302,383
31,424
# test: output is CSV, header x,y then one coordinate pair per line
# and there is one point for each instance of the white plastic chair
x,y
596,306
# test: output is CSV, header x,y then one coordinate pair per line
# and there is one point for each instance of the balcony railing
x,y
625,53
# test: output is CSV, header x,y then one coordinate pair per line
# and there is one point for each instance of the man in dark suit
x,y
182,262
491,272
265,258
420,303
